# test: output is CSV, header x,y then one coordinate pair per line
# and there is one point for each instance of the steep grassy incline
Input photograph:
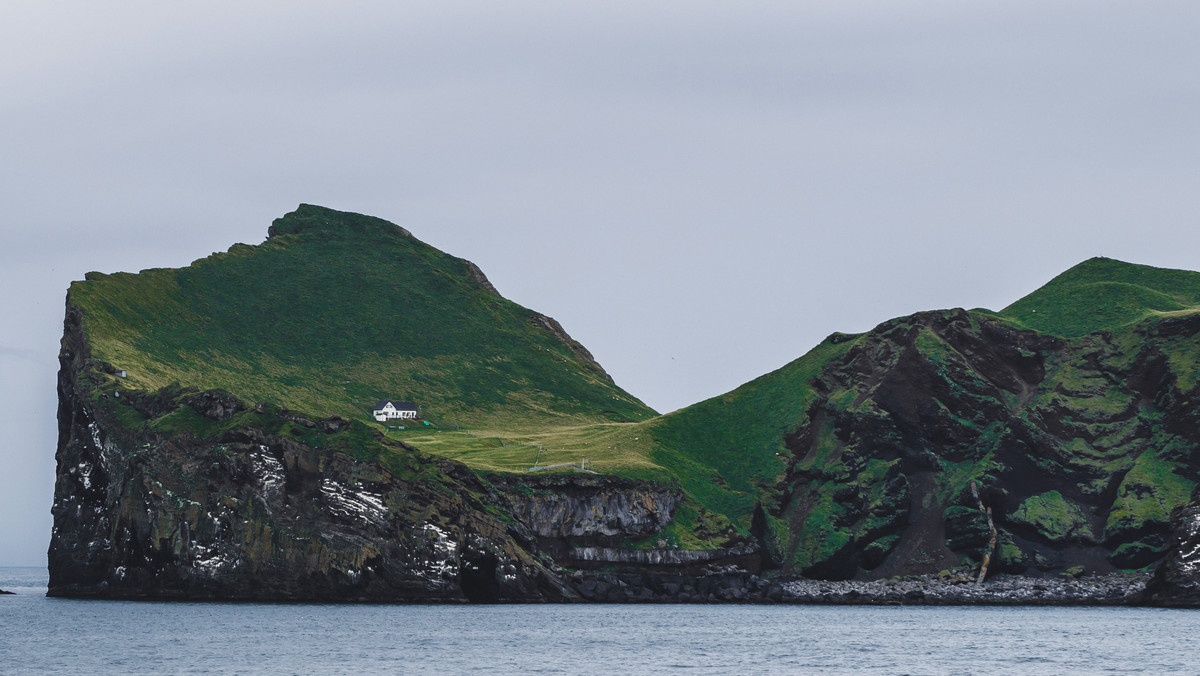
x,y
336,311
1102,293
726,450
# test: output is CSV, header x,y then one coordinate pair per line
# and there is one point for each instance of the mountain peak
x,y
326,222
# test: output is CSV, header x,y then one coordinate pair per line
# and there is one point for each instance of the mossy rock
x,y
966,529
1054,518
1133,555
1147,495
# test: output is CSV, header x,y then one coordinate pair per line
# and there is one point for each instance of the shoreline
x,y
1114,589
738,587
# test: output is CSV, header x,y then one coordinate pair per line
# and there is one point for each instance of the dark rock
x,y
476,274
1037,422
555,329
581,506
258,516
1176,581
299,420
331,425
216,404
152,404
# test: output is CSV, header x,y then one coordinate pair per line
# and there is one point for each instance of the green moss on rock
x,y
1053,517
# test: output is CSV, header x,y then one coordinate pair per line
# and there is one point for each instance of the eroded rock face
x,y
259,516
1176,581
1080,447
579,506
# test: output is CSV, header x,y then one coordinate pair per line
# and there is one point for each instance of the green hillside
x,y
335,311
728,451
1102,293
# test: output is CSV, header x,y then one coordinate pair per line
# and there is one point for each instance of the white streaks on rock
x,y
350,504
438,562
268,472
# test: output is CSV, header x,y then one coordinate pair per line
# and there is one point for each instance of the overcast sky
x,y
700,192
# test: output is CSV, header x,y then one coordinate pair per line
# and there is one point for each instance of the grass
x,y
609,448
1053,517
334,312
1101,294
1151,489
725,449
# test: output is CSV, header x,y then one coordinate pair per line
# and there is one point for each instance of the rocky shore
x,y
1104,590
739,587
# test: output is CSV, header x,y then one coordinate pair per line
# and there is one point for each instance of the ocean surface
x,y
40,635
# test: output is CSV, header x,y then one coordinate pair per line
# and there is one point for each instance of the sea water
x,y
45,635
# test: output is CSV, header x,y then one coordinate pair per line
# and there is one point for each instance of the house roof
x,y
398,405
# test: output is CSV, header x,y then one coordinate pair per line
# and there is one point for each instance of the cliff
x,y
204,452
1056,436
1176,581
216,442
1080,448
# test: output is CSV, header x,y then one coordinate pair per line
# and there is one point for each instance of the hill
x,y
336,311
216,438
1105,294
1071,413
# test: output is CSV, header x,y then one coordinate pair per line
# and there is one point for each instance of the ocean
x,y
40,635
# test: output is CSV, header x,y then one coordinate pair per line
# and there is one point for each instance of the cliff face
x,y
181,474
254,515
1080,448
259,514
1176,581
589,507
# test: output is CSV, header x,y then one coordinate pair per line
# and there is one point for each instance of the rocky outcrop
x,y
680,561
252,515
579,506
1079,450
555,329
1176,581
476,274
216,404
1115,589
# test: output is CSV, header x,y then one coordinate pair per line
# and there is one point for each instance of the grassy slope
x,y
336,311
1102,293
725,449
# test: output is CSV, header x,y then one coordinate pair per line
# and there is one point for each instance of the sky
x,y
698,191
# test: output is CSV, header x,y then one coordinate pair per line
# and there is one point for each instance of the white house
x,y
394,410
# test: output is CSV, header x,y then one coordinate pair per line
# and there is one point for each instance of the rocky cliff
x,y
271,510
1176,581
259,515
1056,436
1078,448
205,451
